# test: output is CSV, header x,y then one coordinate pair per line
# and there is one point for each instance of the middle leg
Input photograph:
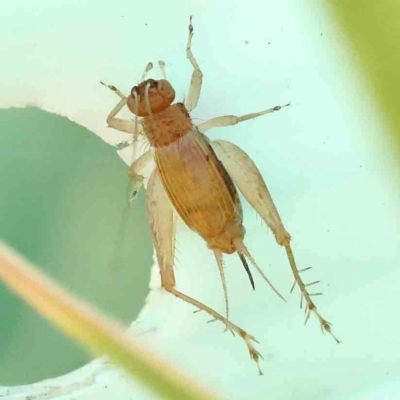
x,y
229,120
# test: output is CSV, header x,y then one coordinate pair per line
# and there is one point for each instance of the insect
x,y
198,180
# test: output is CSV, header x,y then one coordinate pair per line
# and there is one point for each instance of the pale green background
x,y
61,204
326,159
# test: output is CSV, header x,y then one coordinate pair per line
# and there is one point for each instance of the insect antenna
x,y
246,267
241,248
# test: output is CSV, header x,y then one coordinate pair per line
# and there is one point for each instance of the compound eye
x,y
152,83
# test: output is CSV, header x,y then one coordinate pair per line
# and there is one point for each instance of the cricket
x,y
198,180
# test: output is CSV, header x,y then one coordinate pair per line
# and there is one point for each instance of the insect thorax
x,y
166,126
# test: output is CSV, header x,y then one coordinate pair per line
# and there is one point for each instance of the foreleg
x,y
193,95
133,127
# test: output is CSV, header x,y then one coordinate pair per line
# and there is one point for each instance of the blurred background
x,y
330,161
63,197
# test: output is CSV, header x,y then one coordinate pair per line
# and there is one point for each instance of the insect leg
x,y
162,223
229,120
254,354
248,179
115,90
193,95
123,125
137,166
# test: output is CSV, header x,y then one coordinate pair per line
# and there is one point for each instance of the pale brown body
x,y
197,184
197,179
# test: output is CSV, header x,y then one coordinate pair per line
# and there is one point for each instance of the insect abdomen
x,y
201,190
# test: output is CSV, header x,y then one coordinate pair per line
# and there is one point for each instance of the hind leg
x,y
248,179
162,223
